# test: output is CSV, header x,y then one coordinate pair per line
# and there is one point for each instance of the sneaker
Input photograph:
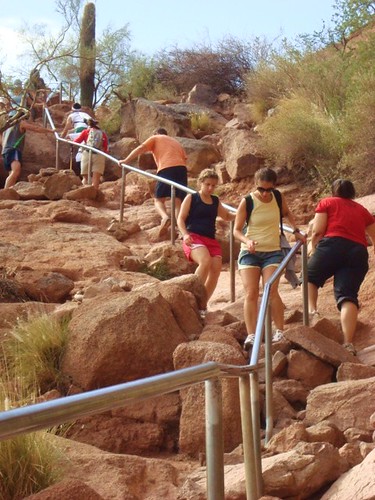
x,y
314,316
278,336
249,341
203,313
350,348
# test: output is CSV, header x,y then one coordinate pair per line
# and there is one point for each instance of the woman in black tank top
x,y
197,221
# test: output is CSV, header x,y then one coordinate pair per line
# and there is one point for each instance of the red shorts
x,y
212,245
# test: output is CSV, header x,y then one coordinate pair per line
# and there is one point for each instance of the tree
x,y
223,66
57,56
349,17
87,55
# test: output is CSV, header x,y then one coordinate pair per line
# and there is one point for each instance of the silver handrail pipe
x,y
174,186
51,413
264,327
43,415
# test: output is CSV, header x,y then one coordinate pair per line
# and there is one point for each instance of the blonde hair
x,y
207,173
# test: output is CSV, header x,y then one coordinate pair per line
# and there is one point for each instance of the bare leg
x,y
13,174
313,297
202,257
213,276
95,181
277,306
84,179
160,207
250,280
348,316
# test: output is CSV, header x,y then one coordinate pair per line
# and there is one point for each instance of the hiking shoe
x,y
314,316
278,336
350,348
249,341
202,313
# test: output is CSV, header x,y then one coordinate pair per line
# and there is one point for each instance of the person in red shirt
x,y
95,137
170,159
339,249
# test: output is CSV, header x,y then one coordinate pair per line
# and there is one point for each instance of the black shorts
x,y
176,174
10,156
346,261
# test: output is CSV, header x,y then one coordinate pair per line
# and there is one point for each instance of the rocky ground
x,y
63,251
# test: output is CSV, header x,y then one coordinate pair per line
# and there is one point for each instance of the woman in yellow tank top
x,y
260,251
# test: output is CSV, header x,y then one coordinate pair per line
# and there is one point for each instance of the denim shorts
x,y
259,259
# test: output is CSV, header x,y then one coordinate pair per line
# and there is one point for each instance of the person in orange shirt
x,y
170,159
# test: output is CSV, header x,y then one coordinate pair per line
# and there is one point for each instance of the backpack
x,y
95,138
250,205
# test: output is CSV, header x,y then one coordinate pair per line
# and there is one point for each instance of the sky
x,y
155,25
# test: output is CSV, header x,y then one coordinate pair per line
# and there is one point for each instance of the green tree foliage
x,y
57,57
314,108
87,55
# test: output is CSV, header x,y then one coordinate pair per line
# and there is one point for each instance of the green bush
x,y
161,92
200,122
158,270
33,352
28,463
298,135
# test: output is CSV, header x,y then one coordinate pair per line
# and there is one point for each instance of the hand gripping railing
x,y
51,413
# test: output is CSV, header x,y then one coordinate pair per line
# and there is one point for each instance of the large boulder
x,y
192,422
240,153
127,336
141,117
201,154
346,404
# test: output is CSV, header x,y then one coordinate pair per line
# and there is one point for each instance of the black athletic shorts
x,y
346,261
176,174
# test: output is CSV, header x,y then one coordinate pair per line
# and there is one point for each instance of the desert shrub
x,y
33,351
161,92
359,157
300,136
222,66
28,463
112,124
159,270
140,77
200,121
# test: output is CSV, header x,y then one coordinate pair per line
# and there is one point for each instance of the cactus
x,y
87,55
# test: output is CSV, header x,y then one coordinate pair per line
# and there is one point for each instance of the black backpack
x,y
250,205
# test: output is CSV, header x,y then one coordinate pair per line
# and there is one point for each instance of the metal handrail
x,y
248,379
51,413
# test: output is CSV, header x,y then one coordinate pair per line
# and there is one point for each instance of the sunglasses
x,y
265,190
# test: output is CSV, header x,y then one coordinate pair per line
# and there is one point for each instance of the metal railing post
x,y
214,440
305,293
248,438
89,169
255,416
268,356
173,215
232,267
122,195
57,155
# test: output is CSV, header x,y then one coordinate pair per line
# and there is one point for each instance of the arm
x,y
134,154
182,216
238,226
224,213
319,228
370,230
68,126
